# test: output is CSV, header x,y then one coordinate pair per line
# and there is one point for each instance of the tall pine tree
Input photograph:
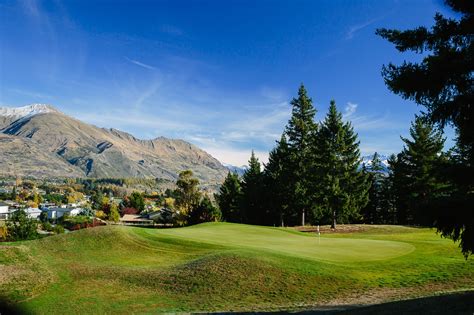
x,y
373,212
276,177
420,158
443,83
341,187
299,131
228,198
252,188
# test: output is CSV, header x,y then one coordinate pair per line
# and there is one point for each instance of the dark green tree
x,y
299,132
21,227
373,212
420,157
341,188
443,83
252,188
277,191
229,197
205,212
136,201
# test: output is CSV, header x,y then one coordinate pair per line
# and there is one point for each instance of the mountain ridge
x,y
101,152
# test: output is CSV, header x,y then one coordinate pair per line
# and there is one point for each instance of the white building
x,y
56,213
4,212
33,213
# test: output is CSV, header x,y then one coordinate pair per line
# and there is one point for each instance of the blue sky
x,y
219,74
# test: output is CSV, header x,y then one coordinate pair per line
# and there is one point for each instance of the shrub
x,y
21,227
58,229
47,226
3,233
100,214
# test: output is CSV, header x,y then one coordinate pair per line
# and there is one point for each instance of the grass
x,y
226,267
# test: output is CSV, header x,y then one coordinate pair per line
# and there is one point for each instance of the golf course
x,y
227,267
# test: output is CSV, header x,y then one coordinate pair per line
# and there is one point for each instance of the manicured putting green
x,y
288,242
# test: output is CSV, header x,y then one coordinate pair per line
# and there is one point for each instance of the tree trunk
x,y
333,226
302,218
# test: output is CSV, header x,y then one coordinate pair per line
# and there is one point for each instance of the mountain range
x,y
40,141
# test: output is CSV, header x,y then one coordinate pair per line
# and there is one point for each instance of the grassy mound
x,y
224,267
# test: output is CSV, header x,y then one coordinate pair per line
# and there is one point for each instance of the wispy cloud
x,y
358,27
350,109
141,64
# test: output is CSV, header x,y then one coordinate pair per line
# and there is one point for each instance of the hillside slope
x,y
226,267
99,152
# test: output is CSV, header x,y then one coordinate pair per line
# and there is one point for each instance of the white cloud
x,y
355,28
141,64
350,109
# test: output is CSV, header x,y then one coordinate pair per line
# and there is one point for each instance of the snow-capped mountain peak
x,y
240,170
26,111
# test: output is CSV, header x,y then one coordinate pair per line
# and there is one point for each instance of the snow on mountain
x,y
240,170
26,111
367,160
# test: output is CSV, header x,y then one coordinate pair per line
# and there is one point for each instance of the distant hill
x,y
38,140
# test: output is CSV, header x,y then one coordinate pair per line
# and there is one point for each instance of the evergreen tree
x,y
400,187
373,212
136,201
251,201
420,158
205,212
276,178
299,132
341,187
443,83
229,197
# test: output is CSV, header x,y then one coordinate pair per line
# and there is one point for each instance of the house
x,y
56,213
33,213
4,211
163,215
135,219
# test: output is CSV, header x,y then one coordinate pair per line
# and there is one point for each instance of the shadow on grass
x,y
454,303
8,308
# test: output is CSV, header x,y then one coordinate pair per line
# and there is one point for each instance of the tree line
x,y
313,173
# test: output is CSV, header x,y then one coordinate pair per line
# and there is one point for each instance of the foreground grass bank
x,y
226,267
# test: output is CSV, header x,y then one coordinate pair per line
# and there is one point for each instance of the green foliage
x,y
228,198
97,200
444,84
58,229
340,188
47,226
375,210
21,227
278,195
299,132
252,189
187,195
205,212
137,201
57,199
87,212
114,214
